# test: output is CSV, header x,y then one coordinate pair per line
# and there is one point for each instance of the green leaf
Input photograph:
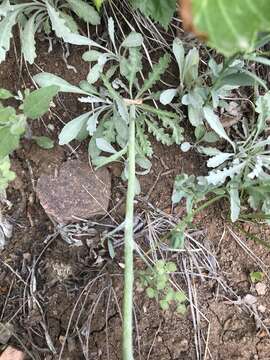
x,y
180,296
6,114
28,40
216,125
47,79
159,133
231,29
91,55
70,22
234,200
6,175
6,25
98,3
84,11
167,96
8,142
181,309
164,305
62,30
73,128
256,276
133,39
105,146
130,66
111,30
44,142
143,141
179,53
170,267
5,94
155,74
103,160
159,10
38,102
151,293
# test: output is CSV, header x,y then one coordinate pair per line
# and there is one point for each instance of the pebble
x,y
261,288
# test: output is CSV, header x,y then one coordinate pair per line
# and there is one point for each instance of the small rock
x,y
76,192
262,309
180,348
250,299
261,288
12,354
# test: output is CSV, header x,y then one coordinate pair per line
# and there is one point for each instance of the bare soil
x,y
64,301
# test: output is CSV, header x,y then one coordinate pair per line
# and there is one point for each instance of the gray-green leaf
x,y
134,39
85,11
73,128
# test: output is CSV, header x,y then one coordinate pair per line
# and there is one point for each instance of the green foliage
x,y
256,276
156,281
13,125
38,102
43,15
203,93
6,175
240,175
107,121
231,29
159,10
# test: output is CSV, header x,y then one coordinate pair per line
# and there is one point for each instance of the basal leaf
x,y
62,31
133,39
167,96
234,200
85,11
37,103
105,146
47,79
91,55
73,128
216,125
6,26
28,40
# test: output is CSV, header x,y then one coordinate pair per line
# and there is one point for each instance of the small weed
x,y
156,281
256,276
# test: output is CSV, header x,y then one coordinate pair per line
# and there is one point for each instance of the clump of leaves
x,y
240,174
120,86
156,281
203,92
13,124
43,15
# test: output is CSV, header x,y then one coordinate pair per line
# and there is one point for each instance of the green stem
x,y
129,277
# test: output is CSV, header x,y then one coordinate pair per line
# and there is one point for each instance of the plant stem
x,y
128,286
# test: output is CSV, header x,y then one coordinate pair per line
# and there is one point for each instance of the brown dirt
x,y
48,289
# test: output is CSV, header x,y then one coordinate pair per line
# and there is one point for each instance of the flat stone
x,y
75,192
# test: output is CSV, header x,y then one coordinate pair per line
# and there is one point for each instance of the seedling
x,y
157,283
256,276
